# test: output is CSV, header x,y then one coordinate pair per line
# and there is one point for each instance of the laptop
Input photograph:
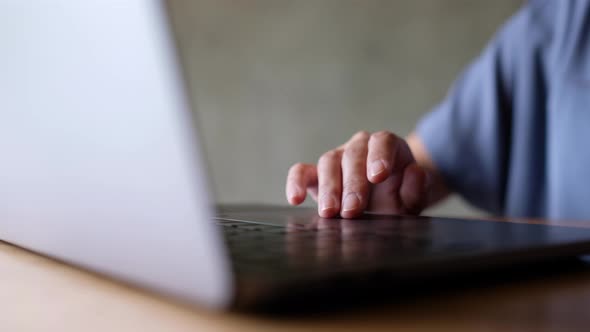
x,y
101,167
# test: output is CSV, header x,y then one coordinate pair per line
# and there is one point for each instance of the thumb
x,y
415,188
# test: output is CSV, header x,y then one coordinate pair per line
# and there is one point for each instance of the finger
x,y
402,156
385,198
413,191
329,183
355,185
382,149
300,177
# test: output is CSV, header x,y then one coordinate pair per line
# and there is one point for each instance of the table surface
x,y
38,293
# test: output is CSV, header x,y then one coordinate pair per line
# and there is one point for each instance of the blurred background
x,y
281,81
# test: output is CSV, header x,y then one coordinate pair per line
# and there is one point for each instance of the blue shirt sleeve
x,y
469,135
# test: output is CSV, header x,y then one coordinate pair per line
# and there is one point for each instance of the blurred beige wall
x,y
280,81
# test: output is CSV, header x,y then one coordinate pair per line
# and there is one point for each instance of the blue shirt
x,y
513,134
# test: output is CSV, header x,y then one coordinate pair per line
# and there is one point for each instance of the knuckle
x,y
353,153
382,133
329,156
297,169
386,136
327,188
354,185
362,134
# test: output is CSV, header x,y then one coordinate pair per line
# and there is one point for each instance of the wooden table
x,y
37,293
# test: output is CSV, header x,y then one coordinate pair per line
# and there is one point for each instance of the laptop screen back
x,y
99,160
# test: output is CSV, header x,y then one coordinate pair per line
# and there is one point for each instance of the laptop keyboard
x,y
255,246
309,250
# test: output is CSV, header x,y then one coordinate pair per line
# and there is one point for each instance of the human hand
x,y
369,173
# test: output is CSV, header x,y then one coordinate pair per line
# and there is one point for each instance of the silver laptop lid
x,y
99,164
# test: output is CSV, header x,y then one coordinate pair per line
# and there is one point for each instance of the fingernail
x,y
377,167
351,202
327,202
